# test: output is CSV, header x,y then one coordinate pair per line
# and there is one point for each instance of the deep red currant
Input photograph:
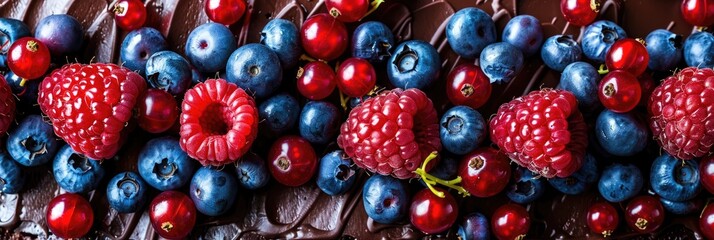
x,y
347,10
130,14
157,111
468,85
628,54
225,12
324,37
432,214
172,214
356,77
706,173
698,12
579,12
484,172
28,58
602,218
316,80
644,214
706,221
292,161
619,91
69,216
647,86
510,221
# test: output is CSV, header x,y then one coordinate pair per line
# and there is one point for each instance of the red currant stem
x,y
709,200
431,180
595,5
307,58
603,70
343,100
374,5
22,82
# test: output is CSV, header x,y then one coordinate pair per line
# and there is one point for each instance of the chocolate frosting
x,y
305,212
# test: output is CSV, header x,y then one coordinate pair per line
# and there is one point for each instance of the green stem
x,y
431,180
374,5
603,70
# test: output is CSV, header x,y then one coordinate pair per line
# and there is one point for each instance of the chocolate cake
x,y
277,211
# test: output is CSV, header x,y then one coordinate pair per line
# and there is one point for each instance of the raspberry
x,y
542,131
7,106
219,122
680,111
90,105
391,133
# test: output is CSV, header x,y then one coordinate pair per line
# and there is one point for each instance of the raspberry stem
x,y
431,180
374,5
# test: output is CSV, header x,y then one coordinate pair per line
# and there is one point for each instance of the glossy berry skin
x,y
602,218
579,12
27,95
674,179
213,191
706,173
699,50
559,51
12,30
278,114
168,71
172,214
706,221
292,161
75,172
32,143
324,37
225,12
139,45
209,46
681,208
336,173
356,77
12,178
644,214
525,187
316,80
129,14
61,33
319,122
469,31
599,37
373,41
619,91
255,68
462,129
581,79
475,226
510,221
414,64
385,199
501,62
525,33
620,182
156,111
698,12
432,214
629,55
28,57
163,165
126,192
664,49
69,216
468,85
347,10
621,134
252,172
484,172
580,181
283,38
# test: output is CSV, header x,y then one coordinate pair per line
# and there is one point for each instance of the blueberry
x,y
580,180
372,41
336,174
209,46
11,177
252,172
33,142
279,113
414,64
620,182
680,208
196,76
282,36
319,122
699,50
462,129
385,199
664,48
470,30
163,165
168,71
447,168
126,192
10,30
560,50
675,179
213,191
621,134
525,187
501,62
525,33
26,94
599,37
75,172
138,46
581,79
255,68
474,227
61,33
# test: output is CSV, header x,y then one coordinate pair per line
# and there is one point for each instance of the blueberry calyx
x,y
609,35
165,170
344,172
160,83
79,162
254,70
676,41
128,185
454,124
686,174
34,147
406,60
566,40
382,49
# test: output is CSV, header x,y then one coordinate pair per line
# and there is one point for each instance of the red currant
x,y
484,172
28,58
619,91
69,216
468,85
292,161
706,173
432,214
316,80
647,85
706,221
510,221
225,12
157,111
603,218
698,12
172,214
130,14
347,10
579,12
356,77
324,37
628,54
644,214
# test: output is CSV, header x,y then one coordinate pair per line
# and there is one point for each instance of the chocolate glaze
x,y
305,212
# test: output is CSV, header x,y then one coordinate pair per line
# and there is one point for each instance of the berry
x,y
579,12
255,68
225,12
543,131
252,172
621,134
679,111
681,208
347,10
414,64
619,91
501,62
475,226
468,85
559,51
316,80
278,113
324,37
12,178
644,214
32,143
629,55
620,182
599,37
525,33
432,214
392,133
129,14
706,221
698,12
706,173
674,179
61,33
510,221
219,122
163,165
168,71
484,172
213,191
292,161
385,199
580,180
76,173
581,79
664,49
209,46
12,30
319,122
27,94
126,192
283,38
29,58
373,41
446,168
336,173
97,126
139,45
647,84
525,187
699,50
469,31
602,218
156,111
69,216
172,215
461,130
356,77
